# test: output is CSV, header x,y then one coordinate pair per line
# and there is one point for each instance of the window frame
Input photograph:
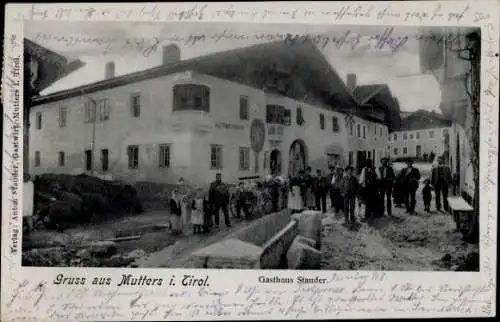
x,y
217,163
164,155
89,162
38,159
322,122
133,156
39,121
335,124
244,108
105,160
244,163
63,116
135,108
61,160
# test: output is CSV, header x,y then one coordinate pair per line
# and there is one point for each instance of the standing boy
x,y
427,195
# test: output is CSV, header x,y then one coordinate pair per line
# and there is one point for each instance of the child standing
x,y
427,195
197,212
349,190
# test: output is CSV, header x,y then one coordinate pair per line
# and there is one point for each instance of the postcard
x,y
270,160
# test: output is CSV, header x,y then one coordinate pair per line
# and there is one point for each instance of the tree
x,y
471,53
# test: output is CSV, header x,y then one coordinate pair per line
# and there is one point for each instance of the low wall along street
x,y
276,241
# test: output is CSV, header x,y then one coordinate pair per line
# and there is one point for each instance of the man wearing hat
x,y
218,197
411,177
440,180
386,175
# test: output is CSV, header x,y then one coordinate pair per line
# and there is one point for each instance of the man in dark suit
x,y
320,190
386,181
441,179
411,177
218,197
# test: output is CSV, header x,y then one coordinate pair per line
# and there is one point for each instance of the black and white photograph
x,y
251,146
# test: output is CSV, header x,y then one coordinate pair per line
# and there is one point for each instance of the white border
x,y
235,294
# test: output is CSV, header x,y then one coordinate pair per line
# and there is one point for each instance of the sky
x,y
128,44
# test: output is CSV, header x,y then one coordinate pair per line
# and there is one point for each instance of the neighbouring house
x,y
423,134
250,111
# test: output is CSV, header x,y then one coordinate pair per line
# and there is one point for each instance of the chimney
x,y
171,54
110,70
351,82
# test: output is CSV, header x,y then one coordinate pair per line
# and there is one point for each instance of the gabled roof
x,y
51,65
423,119
313,75
364,93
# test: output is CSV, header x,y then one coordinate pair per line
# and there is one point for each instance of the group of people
x,y
375,188
199,206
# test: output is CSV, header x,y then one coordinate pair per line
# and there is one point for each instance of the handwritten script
x,y
346,293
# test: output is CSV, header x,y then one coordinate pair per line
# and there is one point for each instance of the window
x,y
445,131
164,156
103,109
300,117
389,138
405,136
287,120
364,132
411,136
244,159
133,156
405,150
417,135
215,156
351,158
38,120
322,121
89,112
275,114
63,113
335,124
351,129
431,134
37,158
61,158
88,160
359,130
395,151
135,104
104,159
243,108
191,97
380,131
395,137
375,129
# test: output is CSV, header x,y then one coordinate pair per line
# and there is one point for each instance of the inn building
x,y
266,109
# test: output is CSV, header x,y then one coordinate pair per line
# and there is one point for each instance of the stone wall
x,y
264,243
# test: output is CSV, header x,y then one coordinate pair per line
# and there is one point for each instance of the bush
x,y
89,195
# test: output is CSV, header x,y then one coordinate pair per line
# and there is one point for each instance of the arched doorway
x,y
297,157
275,162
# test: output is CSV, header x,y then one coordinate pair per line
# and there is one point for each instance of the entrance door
x,y
275,165
297,158
419,152
360,160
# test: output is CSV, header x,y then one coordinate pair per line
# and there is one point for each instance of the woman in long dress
x,y
295,202
176,223
197,212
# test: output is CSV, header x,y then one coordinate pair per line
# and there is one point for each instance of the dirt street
x,y
402,242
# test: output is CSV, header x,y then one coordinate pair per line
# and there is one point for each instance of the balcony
x,y
196,121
